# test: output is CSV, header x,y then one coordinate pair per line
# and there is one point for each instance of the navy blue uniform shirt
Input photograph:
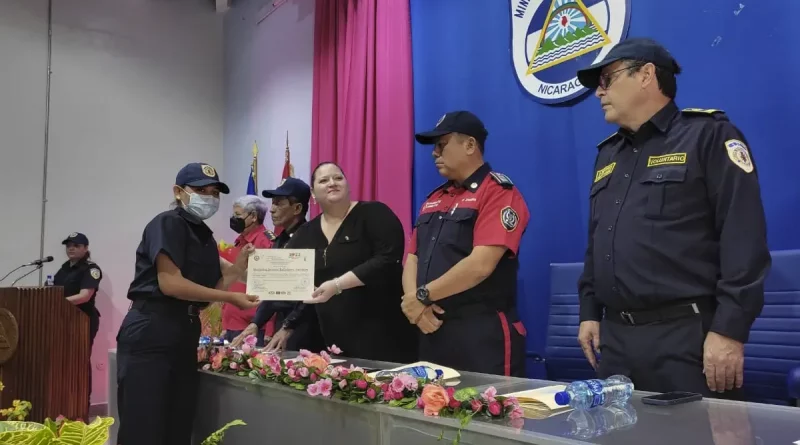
x,y
486,210
676,215
84,274
187,241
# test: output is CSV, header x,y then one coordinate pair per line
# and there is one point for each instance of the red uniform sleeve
x,y
502,218
263,242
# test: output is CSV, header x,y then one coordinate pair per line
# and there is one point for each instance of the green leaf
x,y
395,403
27,437
216,437
462,395
78,433
408,399
410,405
299,386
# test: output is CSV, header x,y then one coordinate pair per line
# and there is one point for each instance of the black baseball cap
x,y
198,174
639,49
462,122
77,238
293,187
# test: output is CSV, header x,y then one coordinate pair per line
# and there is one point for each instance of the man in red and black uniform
x,y
460,278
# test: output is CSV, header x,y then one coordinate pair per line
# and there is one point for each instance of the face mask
x,y
201,206
237,224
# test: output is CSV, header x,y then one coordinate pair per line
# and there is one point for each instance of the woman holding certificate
x,y
358,269
178,272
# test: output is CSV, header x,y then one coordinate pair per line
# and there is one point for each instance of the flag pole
x,y
255,165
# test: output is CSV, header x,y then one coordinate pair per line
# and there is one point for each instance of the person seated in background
x,y
80,277
248,221
288,211
358,267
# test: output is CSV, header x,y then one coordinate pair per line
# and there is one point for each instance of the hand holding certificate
x,y
281,274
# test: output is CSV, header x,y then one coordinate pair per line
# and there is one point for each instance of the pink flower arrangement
x,y
314,374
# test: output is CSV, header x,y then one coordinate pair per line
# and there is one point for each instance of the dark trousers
x,y
230,335
157,377
659,357
94,326
489,343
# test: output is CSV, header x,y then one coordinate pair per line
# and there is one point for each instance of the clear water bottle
x,y
48,281
603,420
588,394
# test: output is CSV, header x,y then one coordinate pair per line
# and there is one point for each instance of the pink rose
x,y
476,405
305,353
397,385
490,394
371,394
361,384
510,401
494,408
342,384
516,413
420,403
303,372
234,365
325,355
314,377
454,404
388,395
333,373
398,395
385,387
290,364
247,349
313,389
333,349
292,373
273,361
325,386
435,398
409,382
451,392
276,369
251,340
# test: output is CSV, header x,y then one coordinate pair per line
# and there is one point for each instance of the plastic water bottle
x,y
601,421
588,394
48,281
419,372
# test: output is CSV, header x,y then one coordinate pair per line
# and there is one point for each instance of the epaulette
x,y
437,189
502,179
716,114
271,235
608,139
90,262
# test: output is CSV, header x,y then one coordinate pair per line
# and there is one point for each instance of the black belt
x,y
159,305
634,318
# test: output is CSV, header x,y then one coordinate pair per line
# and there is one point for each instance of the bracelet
x,y
338,287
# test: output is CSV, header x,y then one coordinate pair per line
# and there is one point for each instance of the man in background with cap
x,y
80,277
460,277
677,251
288,211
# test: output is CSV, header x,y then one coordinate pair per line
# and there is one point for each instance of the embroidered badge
x,y
605,171
668,159
209,171
95,273
509,218
737,151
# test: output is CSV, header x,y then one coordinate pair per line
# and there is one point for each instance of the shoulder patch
x,y
607,140
509,218
437,189
739,154
502,179
270,235
95,273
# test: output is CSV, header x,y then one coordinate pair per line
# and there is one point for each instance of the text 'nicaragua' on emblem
x,y
552,39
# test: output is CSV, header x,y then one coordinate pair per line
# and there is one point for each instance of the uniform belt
x,y
634,318
162,306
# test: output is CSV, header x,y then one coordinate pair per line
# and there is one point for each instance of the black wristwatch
x,y
424,296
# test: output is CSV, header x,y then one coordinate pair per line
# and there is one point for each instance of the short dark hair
x,y
667,83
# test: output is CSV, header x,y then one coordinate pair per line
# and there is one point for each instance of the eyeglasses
x,y
606,79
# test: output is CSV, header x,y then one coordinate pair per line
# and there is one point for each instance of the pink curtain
x,y
363,100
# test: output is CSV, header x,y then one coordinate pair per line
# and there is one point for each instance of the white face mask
x,y
202,206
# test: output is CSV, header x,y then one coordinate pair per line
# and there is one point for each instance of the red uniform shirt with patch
x,y
486,210
233,318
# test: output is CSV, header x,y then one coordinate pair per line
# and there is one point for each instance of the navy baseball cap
x,y
462,122
77,238
638,49
293,187
198,174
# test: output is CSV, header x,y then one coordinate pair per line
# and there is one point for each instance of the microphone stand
x,y
18,268
38,266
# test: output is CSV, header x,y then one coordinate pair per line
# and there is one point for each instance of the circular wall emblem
x,y
9,335
552,39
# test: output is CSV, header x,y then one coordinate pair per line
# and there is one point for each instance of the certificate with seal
x,y
281,274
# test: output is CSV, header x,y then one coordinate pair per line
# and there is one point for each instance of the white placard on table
x,y
281,274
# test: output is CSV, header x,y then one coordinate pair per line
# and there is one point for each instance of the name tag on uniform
x,y
670,159
605,171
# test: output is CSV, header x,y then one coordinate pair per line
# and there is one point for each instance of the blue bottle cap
x,y
562,398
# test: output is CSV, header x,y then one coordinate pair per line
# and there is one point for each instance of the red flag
x,y
288,170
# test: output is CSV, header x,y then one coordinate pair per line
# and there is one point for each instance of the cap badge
x,y
441,119
73,235
209,171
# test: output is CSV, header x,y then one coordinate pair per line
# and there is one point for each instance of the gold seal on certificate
x,y
281,274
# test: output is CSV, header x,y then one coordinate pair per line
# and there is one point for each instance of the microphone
x,y
39,262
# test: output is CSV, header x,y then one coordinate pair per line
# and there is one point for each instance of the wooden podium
x,y
44,352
